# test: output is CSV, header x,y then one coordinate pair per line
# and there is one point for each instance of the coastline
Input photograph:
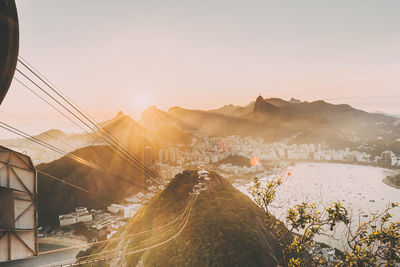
x,y
387,181
49,244
359,163
62,241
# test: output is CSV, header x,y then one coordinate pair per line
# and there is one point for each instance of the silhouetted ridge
x,y
262,106
52,134
294,101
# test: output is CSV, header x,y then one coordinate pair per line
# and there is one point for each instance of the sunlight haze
x,y
206,54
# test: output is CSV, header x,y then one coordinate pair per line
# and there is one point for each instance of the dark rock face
x,y
294,101
261,106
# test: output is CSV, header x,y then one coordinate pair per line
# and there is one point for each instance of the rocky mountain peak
x,y
261,106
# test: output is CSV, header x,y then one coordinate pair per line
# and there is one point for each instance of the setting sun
x,y
141,100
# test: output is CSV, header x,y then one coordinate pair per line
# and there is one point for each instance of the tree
x,y
372,243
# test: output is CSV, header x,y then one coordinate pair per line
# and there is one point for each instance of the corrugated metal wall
x,y
18,212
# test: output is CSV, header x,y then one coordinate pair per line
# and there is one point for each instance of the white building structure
x,y
131,210
114,208
81,214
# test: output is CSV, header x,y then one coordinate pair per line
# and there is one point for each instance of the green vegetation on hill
x,y
396,180
393,181
236,160
56,198
225,228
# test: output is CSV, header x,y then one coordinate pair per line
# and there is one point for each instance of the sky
x,y
126,55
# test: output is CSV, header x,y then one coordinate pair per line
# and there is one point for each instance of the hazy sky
x,y
110,55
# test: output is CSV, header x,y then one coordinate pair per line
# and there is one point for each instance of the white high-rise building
x,y
173,155
160,154
166,155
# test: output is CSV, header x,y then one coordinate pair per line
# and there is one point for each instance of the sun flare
x,y
141,101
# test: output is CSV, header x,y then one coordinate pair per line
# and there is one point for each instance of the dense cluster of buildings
x,y
219,148
81,214
388,158
106,224
205,151
167,162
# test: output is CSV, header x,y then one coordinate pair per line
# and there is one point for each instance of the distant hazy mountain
x,y
39,153
53,134
233,110
275,119
259,119
225,229
216,124
294,101
387,114
163,127
119,115
262,106
122,127
128,132
226,109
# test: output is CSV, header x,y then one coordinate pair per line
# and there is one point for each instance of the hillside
x,y
236,160
107,122
57,198
233,110
128,132
106,188
260,121
163,127
225,228
53,134
122,128
275,119
218,124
